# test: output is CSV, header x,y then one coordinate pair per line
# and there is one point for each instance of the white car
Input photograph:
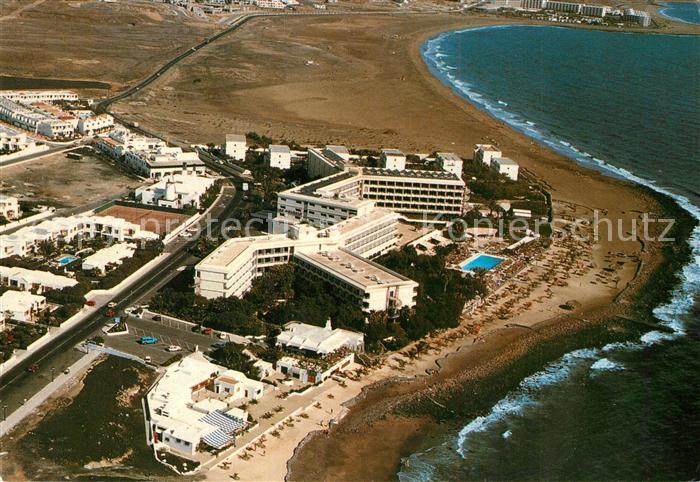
x,y
174,348
111,304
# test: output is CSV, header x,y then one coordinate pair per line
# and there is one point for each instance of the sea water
x,y
687,12
628,104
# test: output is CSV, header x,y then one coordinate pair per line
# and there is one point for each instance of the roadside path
x,y
61,379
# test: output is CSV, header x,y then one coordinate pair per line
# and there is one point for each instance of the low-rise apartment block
x,y
506,166
149,156
450,162
484,153
25,240
34,280
114,255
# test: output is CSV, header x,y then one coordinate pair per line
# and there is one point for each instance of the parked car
x,y
223,336
174,348
111,304
33,368
147,359
66,371
207,331
90,303
148,340
110,313
156,318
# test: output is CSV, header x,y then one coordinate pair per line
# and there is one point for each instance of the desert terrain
x,y
58,181
89,40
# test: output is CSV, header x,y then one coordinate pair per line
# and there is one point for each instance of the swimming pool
x,y
66,259
481,261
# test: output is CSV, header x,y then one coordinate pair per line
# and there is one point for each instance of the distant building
x,y
149,156
22,306
34,280
636,16
450,162
566,7
235,146
9,207
505,166
176,191
12,140
279,156
484,153
106,257
392,159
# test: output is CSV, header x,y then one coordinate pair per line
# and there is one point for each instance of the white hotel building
x,y
25,240
346,194
176,191
337,254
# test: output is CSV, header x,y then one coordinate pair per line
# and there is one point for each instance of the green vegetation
x,y
104,421
231,356
19,337
279,296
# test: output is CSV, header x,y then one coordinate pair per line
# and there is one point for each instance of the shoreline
x,y
454,361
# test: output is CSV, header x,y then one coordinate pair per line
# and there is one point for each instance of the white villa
x,y
319,340
194,402
176,191
110,256
21,306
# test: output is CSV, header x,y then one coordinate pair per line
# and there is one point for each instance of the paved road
x,y
166,335
15,379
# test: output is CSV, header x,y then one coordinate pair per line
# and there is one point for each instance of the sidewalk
x,y
76,370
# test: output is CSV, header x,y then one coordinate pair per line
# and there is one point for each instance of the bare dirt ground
x,y
59,181
90,40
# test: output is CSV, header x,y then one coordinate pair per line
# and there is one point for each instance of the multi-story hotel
x,y
356,190
337,254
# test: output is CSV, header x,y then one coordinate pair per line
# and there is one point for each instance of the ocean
x,y
629,105
683,12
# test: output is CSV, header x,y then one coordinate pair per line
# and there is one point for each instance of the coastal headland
x,y
360,81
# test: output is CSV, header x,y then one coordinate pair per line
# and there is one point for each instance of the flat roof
x,y
392,152
227,252
356,269
279,148
449,156
409,173
310,188
506,161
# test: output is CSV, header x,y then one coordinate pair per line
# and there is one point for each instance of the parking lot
x,y
167,333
